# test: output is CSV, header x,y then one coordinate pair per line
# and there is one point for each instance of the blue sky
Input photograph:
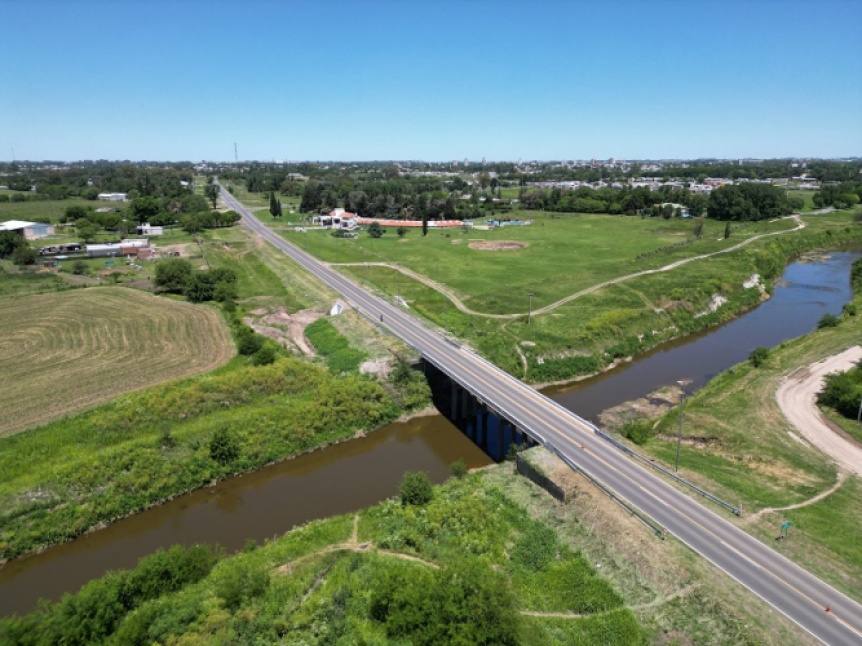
x,y
357,80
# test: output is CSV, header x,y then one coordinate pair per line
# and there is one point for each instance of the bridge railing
x,y
649,461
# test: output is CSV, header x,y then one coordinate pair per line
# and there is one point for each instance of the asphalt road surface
x,y
798,594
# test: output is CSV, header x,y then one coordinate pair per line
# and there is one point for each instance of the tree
x,y
211,191
145,209
273,207
425,224
79,267
375,230
74,213
199,287
727,230
172,274
86,230
698,227
415,488
9,241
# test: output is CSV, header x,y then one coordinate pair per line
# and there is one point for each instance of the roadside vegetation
x,y
466,563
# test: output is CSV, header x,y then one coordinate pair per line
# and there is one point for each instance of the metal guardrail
x,y
657,529
625,449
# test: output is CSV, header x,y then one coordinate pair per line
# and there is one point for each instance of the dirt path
x,y
842,478
796,398
458,303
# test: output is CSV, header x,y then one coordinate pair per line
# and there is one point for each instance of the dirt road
x,y
796,398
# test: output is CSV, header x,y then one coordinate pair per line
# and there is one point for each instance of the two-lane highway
x,y
798,594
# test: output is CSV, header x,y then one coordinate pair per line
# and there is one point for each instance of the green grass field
x,y
68,351
51,209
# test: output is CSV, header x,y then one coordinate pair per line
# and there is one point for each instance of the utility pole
x,y
530,308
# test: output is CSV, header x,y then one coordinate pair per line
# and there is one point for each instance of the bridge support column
x,y
454,401
484,442
501,440
465,403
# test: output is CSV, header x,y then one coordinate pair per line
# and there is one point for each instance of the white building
x,y
112,197
147,229
30,230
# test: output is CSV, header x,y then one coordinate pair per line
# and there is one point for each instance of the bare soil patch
x,y
286,329
498,245
185,250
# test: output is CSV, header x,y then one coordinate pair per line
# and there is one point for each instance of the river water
x,y
361,472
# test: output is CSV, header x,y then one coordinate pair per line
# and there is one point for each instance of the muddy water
x,y
355,474
335,480
806,292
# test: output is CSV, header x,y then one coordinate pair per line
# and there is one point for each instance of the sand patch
x,y
497,245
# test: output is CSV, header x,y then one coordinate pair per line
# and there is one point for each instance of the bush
x,y
758,356
637,430
828,320
223,447
458,469
415,488
843,392
24,255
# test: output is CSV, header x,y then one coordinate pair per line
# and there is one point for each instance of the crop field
x,y
64,352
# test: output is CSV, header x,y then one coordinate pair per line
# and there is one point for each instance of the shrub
x,y
758,356
172,274
415,488
458,469
828,320
223,447
24,255
637,430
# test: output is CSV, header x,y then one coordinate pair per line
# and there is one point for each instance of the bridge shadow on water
x,y
486,427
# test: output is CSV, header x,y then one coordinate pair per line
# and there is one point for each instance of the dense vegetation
x,y
329,342
59,480
459,568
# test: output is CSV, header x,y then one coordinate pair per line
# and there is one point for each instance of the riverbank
x,y
66,478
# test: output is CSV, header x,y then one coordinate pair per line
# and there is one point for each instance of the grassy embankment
x,y
469,563
564,254
676,595
737,443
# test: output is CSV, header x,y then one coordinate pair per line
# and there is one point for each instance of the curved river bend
x,y
361,472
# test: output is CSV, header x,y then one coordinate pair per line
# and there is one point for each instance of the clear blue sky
x,y
363,80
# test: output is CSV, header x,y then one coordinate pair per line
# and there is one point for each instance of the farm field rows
x,y
64,352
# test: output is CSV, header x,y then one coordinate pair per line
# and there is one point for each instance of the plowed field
x,y
61,353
